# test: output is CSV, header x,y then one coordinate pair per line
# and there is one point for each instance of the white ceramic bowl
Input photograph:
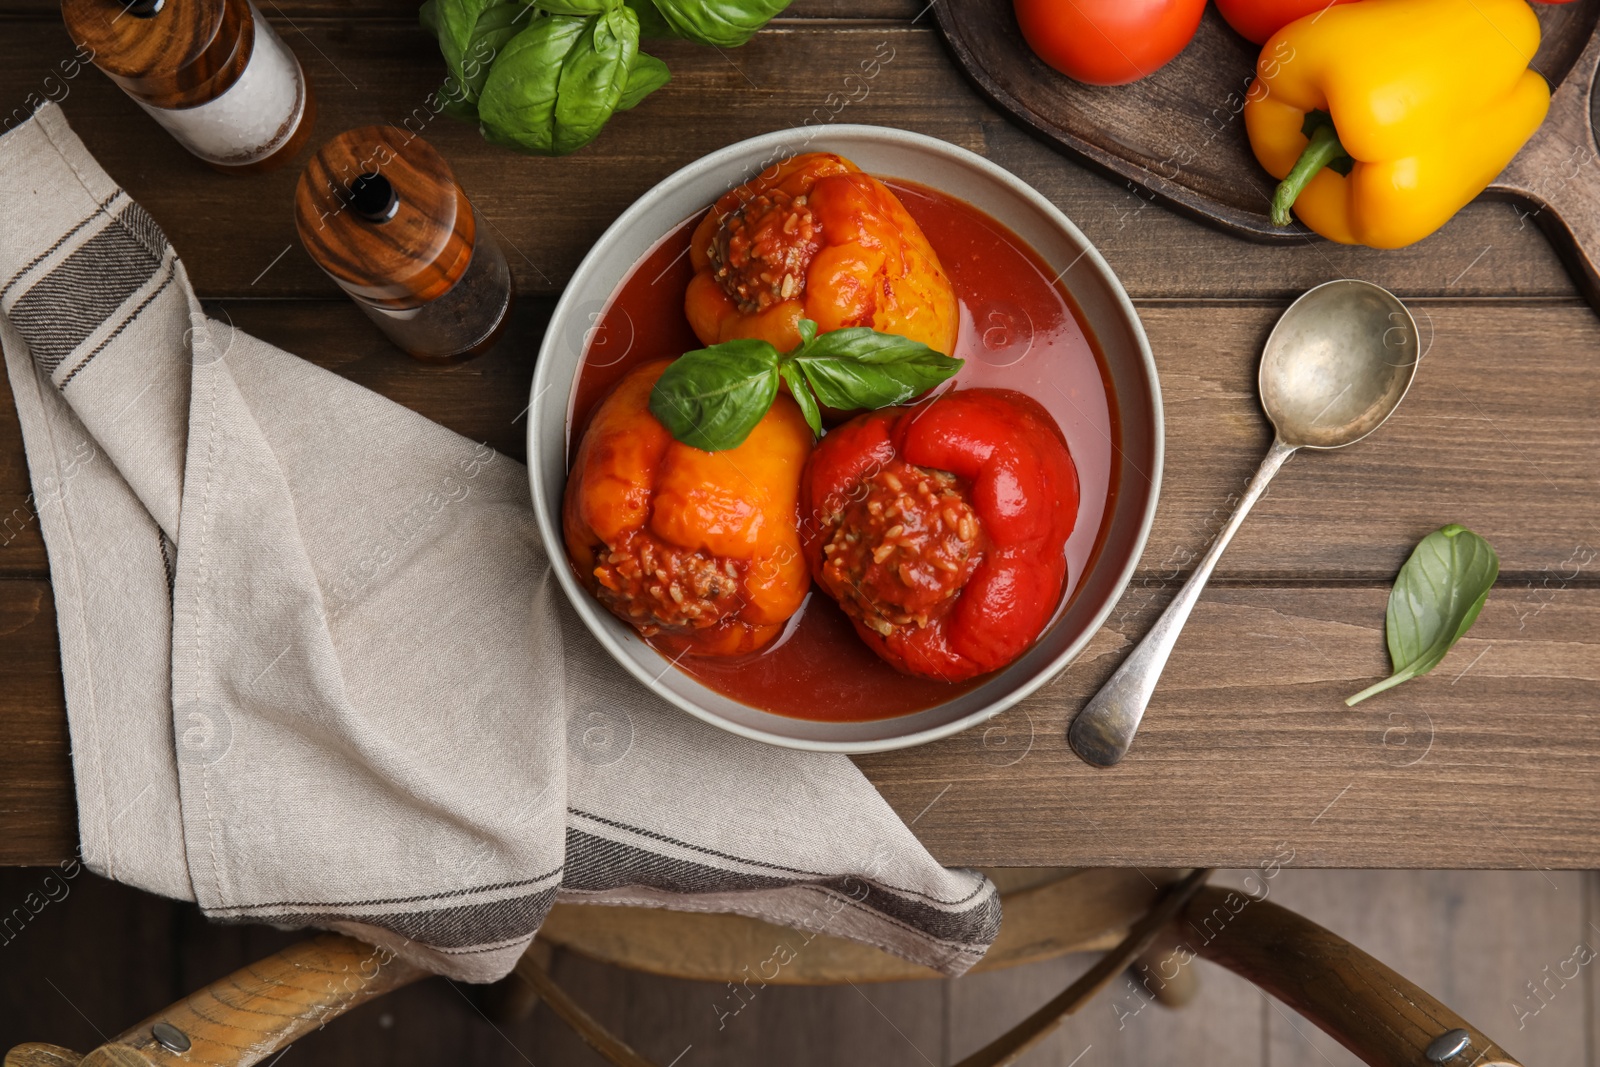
x,y
1108,316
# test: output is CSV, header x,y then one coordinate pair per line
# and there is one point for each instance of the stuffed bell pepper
x,y
697,549
1388,116
941,528
815,238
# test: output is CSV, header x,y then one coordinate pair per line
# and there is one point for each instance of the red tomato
x,y
1108,42
1256,20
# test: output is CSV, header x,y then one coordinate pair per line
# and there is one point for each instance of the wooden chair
x,y
1153,921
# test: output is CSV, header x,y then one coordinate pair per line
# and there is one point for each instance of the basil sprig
x,y
1435,600
544,76
713,397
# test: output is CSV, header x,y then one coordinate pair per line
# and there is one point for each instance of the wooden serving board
x,y
1178,136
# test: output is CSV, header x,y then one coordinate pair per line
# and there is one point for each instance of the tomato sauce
x,y
1019,330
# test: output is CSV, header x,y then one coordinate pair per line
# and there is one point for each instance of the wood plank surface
x,y
282,11
1247,747
1474,442
38,815
1247,744
548,212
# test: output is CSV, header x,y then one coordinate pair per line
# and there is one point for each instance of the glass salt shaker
x,y
212,72
381,212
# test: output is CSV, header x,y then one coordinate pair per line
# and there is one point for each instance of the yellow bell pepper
x,y
1384,118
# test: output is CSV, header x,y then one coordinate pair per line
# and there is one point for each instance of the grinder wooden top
x,y
407,259
185,53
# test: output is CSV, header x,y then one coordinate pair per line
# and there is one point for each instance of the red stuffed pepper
x,y
941,528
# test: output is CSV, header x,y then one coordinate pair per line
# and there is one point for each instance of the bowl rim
x,y
752,147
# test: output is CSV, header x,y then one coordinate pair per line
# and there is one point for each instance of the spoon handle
x,y
1105,727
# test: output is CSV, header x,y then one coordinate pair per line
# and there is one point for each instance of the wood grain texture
x,y
179,56
406,10
398,261
241,1019
38,812
1178,133
40,1055
1554,175
548,212
1474,940
1382,1017
1487,762
1504,454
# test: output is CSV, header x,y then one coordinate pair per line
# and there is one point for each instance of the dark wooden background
x,y
1490,761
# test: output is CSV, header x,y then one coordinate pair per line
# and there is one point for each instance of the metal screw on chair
x,y
1447,1046
170,1038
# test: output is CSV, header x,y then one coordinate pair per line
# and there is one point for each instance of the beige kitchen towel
x,y
318,673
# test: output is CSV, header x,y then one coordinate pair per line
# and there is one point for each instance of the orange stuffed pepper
x,y
698,550
816,238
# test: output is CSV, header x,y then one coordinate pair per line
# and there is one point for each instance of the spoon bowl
x,y
1335,367
1337,364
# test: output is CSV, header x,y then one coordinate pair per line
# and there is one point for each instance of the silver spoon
x,y
1335,367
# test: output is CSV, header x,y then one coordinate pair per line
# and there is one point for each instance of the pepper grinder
x,y
212,72
381,213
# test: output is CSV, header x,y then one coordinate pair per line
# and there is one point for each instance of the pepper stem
x,y
1323,149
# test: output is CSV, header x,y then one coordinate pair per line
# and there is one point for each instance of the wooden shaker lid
x,y
168,53
397,252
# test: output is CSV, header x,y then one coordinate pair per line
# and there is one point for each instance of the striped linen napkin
x,y
317,670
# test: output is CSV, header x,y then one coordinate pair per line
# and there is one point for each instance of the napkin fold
x,y
318,672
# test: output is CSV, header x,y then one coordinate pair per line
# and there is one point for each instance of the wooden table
x,y
1248,751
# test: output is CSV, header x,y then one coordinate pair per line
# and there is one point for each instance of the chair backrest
x,y
1160,916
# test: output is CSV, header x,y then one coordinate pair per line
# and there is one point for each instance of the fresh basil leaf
x,y
645,76
858,367
724,23
495,29
518,105
593,78
802,396
453,97
712,398
452,21
576,7
1435,600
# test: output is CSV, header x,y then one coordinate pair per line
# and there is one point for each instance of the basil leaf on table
x,y
593,78
558,81
494,30
518,105
544,76
576,7
712,398
1435,600
724,23
645,76
452,22
857,367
